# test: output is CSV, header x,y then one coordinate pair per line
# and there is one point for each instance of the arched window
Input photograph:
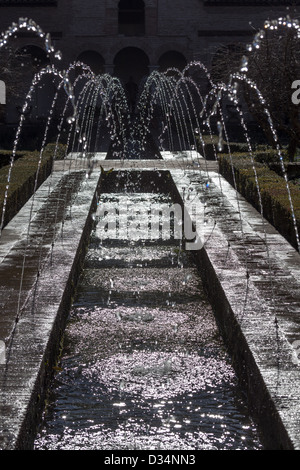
x,y
131,62
2,92
94,60
131,17
172,59
33,56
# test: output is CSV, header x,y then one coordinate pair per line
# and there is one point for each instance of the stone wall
x,y
191,28
174,30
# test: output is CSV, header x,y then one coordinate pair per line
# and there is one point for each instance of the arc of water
x,y
12,31
35,82
191,83
38,77
291,24
30,26
231,91
86,73
216,92
68,100
244,78
155,92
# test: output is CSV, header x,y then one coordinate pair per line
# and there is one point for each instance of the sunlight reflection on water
x,y
143,364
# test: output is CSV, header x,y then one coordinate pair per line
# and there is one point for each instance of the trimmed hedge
x,y
211,146
262,153
273,190
5,156
23,177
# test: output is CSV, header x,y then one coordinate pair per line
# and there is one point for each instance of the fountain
x,y
245,266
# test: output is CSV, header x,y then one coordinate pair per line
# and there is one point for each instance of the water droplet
x,y
244,64
58,55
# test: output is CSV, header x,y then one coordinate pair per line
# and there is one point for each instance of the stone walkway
x,y
252,274
38,269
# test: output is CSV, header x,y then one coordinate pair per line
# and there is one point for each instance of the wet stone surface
x,y
143,365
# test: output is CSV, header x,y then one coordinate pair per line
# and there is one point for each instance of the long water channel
x,y
143,364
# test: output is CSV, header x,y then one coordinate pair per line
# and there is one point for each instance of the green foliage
x,y
208,145
28,171
270,196
5,156
58,150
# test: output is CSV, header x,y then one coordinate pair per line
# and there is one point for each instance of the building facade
x,y
142,35
131,38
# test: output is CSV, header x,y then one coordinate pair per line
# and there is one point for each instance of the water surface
x,y
143,364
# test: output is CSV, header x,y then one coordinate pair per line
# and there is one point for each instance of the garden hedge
x,y
276,208
5,156
23,178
